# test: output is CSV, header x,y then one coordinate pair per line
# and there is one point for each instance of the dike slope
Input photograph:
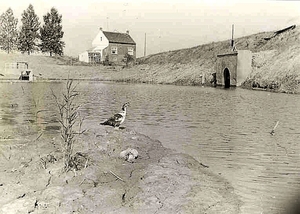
x,y
275,64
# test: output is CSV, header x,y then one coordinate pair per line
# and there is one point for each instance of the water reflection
x,y
228,130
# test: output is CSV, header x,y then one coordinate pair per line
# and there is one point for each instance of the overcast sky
x,y
168,24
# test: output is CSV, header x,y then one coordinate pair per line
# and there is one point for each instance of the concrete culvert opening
x,y
226,78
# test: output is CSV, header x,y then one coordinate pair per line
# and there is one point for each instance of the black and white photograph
x,y
149,107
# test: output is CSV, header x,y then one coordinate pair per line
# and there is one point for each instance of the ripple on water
x,y
228,130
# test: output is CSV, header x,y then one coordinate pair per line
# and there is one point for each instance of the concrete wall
x,y
84,57
17,74
244,65
228,60
239,65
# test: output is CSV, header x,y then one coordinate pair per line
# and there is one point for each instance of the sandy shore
x,y
158,181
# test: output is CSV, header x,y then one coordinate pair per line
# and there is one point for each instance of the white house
x,y
111,46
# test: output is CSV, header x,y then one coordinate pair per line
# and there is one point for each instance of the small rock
x,y
123,154
129,154
134,153
130,158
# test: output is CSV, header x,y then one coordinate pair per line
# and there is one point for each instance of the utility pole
x,y
232,41
145,45
107,23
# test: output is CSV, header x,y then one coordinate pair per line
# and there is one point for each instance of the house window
x,y
114,50
101,38
130,50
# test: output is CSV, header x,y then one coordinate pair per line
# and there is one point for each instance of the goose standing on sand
x,y
117,119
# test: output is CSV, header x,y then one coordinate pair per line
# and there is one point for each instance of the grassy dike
x,y
275,64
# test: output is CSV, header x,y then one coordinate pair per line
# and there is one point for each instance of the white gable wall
x,y
100,42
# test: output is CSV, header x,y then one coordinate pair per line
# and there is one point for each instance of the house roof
x,y
122,38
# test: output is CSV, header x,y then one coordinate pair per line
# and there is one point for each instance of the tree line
x,y
32,36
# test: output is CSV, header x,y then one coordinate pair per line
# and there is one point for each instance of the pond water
x,y
227,130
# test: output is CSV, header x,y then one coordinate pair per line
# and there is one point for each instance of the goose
x,y
118,118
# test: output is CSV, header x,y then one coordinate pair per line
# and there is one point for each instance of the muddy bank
x,y
158,181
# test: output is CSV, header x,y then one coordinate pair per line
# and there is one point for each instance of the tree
x,y
8,31
29,35
52,34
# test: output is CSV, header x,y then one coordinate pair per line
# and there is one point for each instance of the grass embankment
x,y
45,67
275,64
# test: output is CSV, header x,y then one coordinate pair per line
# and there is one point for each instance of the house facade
x,y
110,47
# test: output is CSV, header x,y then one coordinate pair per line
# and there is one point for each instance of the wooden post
x,y
145,46
203,78
232,31
232,42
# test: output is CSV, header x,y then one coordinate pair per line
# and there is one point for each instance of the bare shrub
x,y
128,60
68,117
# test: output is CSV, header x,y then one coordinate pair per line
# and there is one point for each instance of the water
x,y
228,130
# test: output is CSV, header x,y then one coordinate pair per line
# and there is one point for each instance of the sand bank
x,y
158,181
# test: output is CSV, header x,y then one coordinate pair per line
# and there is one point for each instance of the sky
x,y
165,24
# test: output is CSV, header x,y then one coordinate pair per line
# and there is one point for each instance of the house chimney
x,y
101,29
127,31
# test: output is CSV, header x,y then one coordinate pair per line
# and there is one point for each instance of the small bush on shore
x,y
68,118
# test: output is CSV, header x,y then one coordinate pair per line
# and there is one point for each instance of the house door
x,y
226,78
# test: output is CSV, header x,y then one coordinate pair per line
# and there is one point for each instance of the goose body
x,y
118,118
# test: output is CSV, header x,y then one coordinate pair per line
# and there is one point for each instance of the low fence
x,y
16,66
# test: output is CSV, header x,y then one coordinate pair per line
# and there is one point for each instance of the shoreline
x,y
137,76
159,181
130,81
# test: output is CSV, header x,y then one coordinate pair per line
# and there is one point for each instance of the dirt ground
x,y
158,181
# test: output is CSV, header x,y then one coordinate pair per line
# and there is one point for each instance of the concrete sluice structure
x,y
17,71
233,68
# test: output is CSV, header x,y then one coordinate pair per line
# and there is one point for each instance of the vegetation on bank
x,y
275,64
68,118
